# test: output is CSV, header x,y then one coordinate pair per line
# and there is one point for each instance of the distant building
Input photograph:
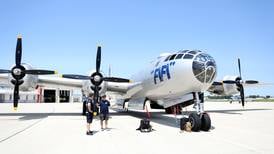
x,y
41,95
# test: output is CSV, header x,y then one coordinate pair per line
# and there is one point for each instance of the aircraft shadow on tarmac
x,y
172,121
157,117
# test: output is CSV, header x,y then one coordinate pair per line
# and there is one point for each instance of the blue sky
x,y
63,34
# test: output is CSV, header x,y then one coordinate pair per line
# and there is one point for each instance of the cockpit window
x,y
209,74
183,51
179,56
198,67
188,56
167,58
204,68
192,52
172,57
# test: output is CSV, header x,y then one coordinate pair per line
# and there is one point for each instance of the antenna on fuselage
x,y
109,70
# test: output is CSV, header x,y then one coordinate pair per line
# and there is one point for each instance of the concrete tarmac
x,y
60,129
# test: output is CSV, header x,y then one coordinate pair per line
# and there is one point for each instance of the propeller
x,y
239,83
96,78
18,72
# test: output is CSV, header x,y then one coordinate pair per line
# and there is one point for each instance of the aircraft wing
x,y
259,84
217,87
127,89
53,81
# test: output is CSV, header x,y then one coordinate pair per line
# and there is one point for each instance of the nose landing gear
x,y
199,120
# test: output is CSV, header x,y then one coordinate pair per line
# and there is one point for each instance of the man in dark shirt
x,y
104,111
89,113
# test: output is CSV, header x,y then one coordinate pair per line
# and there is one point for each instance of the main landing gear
x,y
199,120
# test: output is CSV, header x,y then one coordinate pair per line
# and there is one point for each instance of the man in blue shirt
x,y
104,111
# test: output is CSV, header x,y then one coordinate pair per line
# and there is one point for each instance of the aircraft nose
x,y
204,68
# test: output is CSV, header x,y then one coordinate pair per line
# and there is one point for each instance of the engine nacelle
x,y
30,81
230,89
87,88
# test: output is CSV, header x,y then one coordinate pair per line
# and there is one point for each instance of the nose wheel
x,y
206,122
195,121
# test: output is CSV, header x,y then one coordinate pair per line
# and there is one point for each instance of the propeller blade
x,y
114,79
73,76
239,66
15,96
40,72
242,94
98,59
96,98
251,82
229,82
97,93
18,52
4,71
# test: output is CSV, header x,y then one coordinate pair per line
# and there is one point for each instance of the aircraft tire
x,y
183,122
206,122
195,121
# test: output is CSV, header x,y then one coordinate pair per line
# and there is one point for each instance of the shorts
x,y
89,117
104,116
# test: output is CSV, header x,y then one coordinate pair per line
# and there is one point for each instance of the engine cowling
x,y
230,89
30,81
87,88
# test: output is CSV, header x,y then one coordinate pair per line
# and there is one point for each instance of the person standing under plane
x,y
104,111
89,113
